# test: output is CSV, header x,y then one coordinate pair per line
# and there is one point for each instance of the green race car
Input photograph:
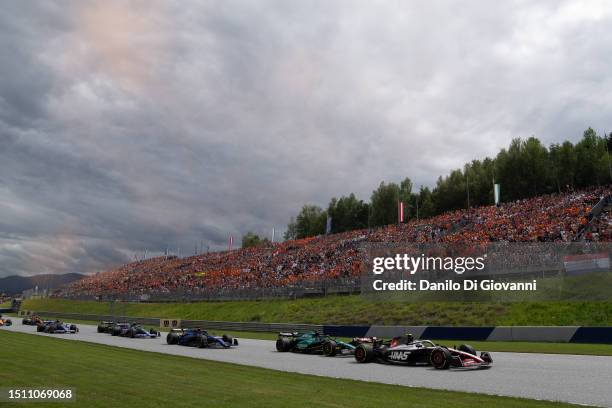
x,y
316,343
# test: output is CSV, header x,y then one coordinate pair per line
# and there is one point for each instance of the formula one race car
x,y
199,338
33,320
133,330
106,327
5,322
405,350
314,342
307,342
55,326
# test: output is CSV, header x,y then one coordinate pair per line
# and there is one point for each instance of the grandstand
x,y
335,261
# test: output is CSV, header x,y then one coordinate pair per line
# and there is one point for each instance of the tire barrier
x,y
560,334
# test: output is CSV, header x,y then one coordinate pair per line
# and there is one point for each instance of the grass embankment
x,y
5,305
137,378
354,310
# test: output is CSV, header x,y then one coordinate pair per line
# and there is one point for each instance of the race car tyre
x,y
202,342
228,339
172,338
40,328
466,348
8,322
25,321
131,333
283,344
330,348
364,353
235,342
74,328
486,357
100,329
116,332
440,358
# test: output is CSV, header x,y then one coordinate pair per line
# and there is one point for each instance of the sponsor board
x,y
170,323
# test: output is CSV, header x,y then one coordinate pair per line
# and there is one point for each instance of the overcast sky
x,y
127,126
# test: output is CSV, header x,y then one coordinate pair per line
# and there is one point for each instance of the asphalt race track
x,y
569,378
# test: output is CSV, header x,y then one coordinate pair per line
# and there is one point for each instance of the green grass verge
x,y
5,305
355,310
104,376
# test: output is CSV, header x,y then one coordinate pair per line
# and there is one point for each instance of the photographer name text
x,y
450,285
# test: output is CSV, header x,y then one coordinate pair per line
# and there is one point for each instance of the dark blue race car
x,y
55,326
199,338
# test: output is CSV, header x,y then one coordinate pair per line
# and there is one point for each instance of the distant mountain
x,y
13,285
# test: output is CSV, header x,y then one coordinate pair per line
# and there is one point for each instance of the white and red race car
x,y
404,350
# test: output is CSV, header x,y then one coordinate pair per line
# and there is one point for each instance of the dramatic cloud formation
x,y
128,126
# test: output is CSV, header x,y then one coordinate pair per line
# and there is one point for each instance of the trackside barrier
x,y
152,321
252,326
561,334
212,325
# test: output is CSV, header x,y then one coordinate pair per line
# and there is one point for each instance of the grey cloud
x,y
127,126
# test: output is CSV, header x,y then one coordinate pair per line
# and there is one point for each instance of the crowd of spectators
x,y
551,218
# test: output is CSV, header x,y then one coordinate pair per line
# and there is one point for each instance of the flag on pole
x,y
231,243
497,193
400,212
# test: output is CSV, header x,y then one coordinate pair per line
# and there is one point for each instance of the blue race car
x,y
199,338
55,326
133,330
